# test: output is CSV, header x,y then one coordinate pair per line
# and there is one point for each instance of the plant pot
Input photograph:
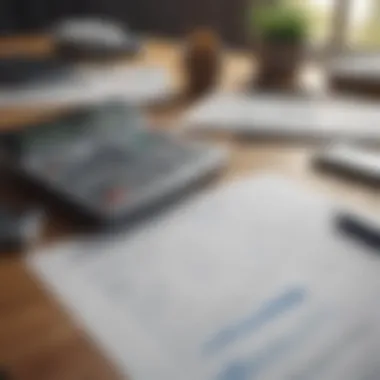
x,y
279,65
202,62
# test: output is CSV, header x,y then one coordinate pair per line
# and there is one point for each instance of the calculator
x,y
106,163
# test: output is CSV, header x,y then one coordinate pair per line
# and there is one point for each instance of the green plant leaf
x,y
279,23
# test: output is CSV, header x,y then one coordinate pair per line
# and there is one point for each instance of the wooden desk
x,y
37,339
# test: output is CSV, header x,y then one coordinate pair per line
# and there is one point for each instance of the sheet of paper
x,y
251,281
137,85
285,116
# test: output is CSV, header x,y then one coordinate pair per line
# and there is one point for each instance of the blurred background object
x,y
355,73
202,61
350,161
343,24
364,25
281,31
93,39
335,24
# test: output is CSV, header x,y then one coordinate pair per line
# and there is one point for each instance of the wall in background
x,y
178,17
22,16
166,17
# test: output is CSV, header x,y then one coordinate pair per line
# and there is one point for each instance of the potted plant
x,y
282,31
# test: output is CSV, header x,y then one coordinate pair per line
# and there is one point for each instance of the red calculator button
x,y
115,195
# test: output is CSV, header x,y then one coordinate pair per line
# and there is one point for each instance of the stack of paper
x,y
85,86
282,116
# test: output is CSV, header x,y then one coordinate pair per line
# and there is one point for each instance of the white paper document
x,y
137,85
251,281
281,116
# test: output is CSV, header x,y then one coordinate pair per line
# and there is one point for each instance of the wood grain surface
x,y
38,341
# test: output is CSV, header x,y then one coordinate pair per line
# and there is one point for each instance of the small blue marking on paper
x,y
269,311
251,369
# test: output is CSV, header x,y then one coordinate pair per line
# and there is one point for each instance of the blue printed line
x,y
268,312
251,369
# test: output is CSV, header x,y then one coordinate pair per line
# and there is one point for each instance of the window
x,y
321,13
364,25
341,24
